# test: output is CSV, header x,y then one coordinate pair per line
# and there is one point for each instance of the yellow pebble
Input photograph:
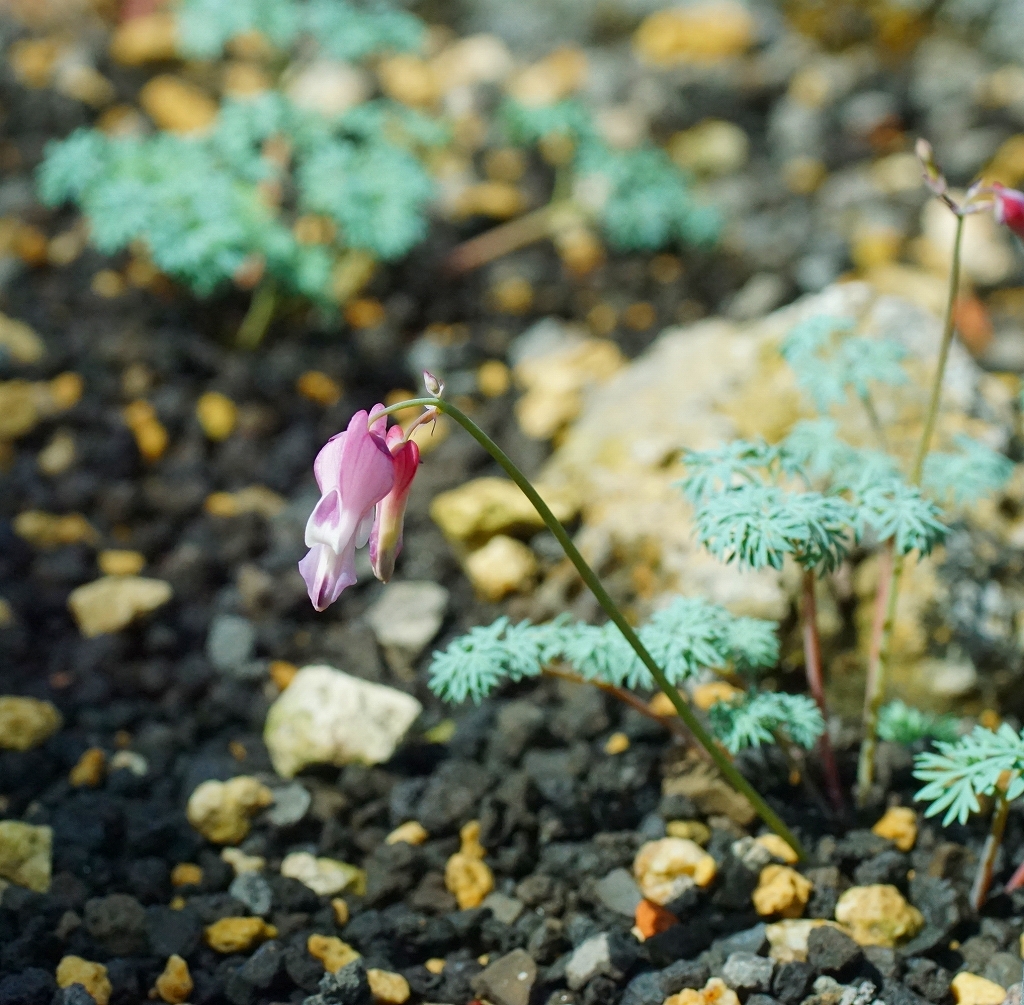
x,y
970,989
388,988
319,387
781,891
282,673
107,284
66,389
238,935
120,562
177,903
92,976
466,875
412,832
493,378
706,695
689,830
186,874
90,769
617,743
174,985
777,848
331,952
899,825
513,295
217,414
340,908
434,965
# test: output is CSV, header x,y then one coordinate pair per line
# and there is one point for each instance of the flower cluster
x,y
364,475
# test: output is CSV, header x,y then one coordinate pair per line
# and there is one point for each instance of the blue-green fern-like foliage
x,y
970,473
958,773
341,29
686,639
829,361
196,202
904,724
890,508
645,202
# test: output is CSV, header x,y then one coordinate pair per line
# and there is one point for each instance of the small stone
x,y
19,411
899,825
329,87
90,769
667,868
237,935
329,717
253,499
252,890
788,939
405,620
230,642
217,414
832,952
493,378
242,863
712,147
970,989
151,436
483,507
781,891
186,874
706,695
715,992
435,965
117,921
878,915
26,722
791,982
177,105
412,832
650,919
129,760
466,875
120,562
748,972
221,811
502,908
699,32
52,530
390,988
777,848
691,830
331,952
92,976
605,954
324,876
58,455
291,803
701,783
318,387
341,911
282,673
617,743
502,566
25,852
174,985
349,986
20,342
145,38
111,603
618,892
508,980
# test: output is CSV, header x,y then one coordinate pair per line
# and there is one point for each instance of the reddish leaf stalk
x,y
986,867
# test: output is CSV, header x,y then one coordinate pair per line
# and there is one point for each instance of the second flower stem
x,y
587,574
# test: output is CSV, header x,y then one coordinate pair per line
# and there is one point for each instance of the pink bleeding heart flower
x,y
1008,207
354,471
386,535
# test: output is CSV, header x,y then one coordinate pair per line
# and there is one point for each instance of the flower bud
x,y
432,384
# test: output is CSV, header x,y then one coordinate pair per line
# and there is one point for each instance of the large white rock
x,y
326,716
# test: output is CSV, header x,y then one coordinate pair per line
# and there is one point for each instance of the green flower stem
x,y
706,740
888,591
258,317
816,685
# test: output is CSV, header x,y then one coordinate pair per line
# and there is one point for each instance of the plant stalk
x,y
889,594
1016,881
258,317
987,865
816,685
587,574
503,239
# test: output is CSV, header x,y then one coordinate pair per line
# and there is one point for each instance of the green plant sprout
x,y
676,643
275,198
906,725
638,198
984,763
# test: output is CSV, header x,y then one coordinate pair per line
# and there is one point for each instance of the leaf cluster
x,y
959,772
340,29
904,724
756,717
685,638
643,201
829,362
199,204
970,473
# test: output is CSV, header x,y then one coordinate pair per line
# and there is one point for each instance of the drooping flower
x,y
354,471
386,535
1008,207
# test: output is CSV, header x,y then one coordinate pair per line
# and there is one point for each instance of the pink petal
x,y
366,471
327,465
378,423
327,574
389,523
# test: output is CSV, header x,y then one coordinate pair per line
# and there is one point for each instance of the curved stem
x,y
258,317
503,239
816,685
878,663
587,574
